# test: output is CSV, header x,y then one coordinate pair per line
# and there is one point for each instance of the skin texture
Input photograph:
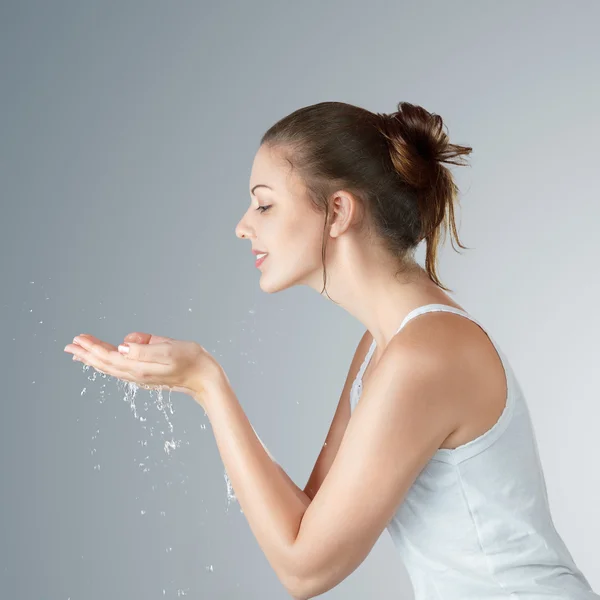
x,y
438,383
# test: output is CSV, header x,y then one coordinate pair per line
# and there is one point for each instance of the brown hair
x,y
390,162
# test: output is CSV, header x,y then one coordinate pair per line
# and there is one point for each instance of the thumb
x,y
137,338
153,352
133,350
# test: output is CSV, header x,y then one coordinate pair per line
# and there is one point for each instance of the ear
x,y
345,211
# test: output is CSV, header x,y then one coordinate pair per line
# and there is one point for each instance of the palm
x,y
147,338
185,362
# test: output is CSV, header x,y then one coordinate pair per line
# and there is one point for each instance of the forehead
x,y
269,168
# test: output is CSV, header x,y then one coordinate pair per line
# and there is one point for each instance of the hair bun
x,y
418,128
418,142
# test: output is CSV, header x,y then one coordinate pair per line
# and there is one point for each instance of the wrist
x,y
207,386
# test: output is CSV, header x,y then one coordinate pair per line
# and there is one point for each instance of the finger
x,y
86,342
159,339
156,353
111,362
89,345
95,340
106,361
132,372
137,337
145,374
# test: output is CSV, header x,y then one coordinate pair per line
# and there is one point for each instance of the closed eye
x,y
264,208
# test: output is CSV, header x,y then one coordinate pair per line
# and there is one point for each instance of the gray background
x,y
127,134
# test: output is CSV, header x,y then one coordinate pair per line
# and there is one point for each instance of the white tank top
x,y
476,524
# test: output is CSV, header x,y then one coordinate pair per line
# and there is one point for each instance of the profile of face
x,y
282,222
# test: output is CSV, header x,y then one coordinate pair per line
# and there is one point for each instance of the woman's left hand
x,y
152,361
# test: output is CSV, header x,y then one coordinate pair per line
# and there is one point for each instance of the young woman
x,y
432,438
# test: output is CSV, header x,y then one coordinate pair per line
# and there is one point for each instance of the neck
x,y
368,288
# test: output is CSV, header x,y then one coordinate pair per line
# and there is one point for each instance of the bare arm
x,y
338,424
290,484
334,437
271,501
405,414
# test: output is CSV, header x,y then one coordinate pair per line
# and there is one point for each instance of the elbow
x,y
299,587
295,587
297,590
294,584
308,576
304,588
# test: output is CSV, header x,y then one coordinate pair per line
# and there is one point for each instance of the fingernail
x,y
124,348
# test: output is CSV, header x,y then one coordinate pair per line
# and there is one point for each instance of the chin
x,y
273,286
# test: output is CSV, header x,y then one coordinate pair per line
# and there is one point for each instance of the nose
x,y
242,230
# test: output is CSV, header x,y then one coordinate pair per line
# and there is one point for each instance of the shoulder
x,y
437,338
451,360
439,353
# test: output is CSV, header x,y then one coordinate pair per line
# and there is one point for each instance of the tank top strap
x,y
411,315
447,308
366,361
432,308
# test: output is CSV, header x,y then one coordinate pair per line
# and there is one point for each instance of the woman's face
x,y
282,222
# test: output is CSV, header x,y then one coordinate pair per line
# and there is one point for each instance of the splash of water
x,y
231,497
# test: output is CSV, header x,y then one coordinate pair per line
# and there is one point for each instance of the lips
x,y
259,261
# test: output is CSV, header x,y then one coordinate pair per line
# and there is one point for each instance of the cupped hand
x,y
152,361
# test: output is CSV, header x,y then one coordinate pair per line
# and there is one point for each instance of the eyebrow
x,y
260,185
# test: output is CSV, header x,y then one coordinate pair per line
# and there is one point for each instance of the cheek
x,y
298,236
304,239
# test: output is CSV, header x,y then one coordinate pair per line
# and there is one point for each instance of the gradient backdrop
x,y
127,134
